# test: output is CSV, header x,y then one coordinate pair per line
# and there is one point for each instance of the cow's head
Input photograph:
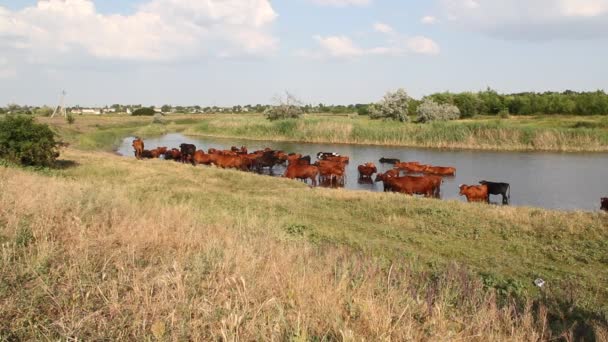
x,y
605,203
463,188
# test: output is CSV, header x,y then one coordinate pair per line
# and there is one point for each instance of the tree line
x,y
486,102
490,102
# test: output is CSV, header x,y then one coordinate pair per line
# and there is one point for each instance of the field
x,y
105,247
526,133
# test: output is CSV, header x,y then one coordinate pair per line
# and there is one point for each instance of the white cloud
x,y
342,3
343,47
423,45
339,46
531,19
429,20
383,28
583,8
159,30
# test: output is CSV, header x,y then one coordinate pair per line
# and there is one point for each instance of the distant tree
x,y
43,111
430,110
362,109
143,112
394,105
70,119
28,143
286,107
166,109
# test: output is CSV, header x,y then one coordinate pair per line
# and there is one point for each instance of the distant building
x,y
91,111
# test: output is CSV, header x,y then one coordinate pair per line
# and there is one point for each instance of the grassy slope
x,y
116,247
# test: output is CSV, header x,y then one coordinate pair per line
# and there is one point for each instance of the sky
x,y
231,52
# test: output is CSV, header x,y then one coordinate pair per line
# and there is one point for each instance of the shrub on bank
x,y
287,107
144,112
394,105
27,143
429,110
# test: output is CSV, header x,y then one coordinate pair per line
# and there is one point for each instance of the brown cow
x,y
414,167
409,184
155,153
146,154
242,150
173,154
390,173
440,170
474,193
302,172
330,171
200,157
604,205
231,162
138,145
339,159
437,180
367,170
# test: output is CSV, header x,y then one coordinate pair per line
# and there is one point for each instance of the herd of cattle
x,y
329,169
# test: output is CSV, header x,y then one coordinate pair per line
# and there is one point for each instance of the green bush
x,y
70,118
144,112
283,112
25,142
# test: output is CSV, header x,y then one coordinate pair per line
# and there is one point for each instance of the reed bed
x,y
494,134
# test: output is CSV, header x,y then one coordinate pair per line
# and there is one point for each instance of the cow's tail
x,y
509,194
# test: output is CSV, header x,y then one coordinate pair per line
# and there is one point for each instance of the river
x,y
538,179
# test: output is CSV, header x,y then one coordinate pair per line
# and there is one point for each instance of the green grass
x,y
142,223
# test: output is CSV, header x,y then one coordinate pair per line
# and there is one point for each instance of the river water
x,y
538,179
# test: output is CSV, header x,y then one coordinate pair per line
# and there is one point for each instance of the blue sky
x,y
227,52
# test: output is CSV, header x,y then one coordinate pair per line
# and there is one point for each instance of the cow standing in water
x,y
474,193
138,145
187,153
604,204
494,188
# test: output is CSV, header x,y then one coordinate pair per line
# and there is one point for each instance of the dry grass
x,y
117,249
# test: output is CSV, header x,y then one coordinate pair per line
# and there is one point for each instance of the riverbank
x,y
538,133
561,134
151,249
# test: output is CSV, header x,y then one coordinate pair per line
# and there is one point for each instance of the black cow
x,y
494,188
389,160
323,155
268,159
187,151
306,159
604,204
